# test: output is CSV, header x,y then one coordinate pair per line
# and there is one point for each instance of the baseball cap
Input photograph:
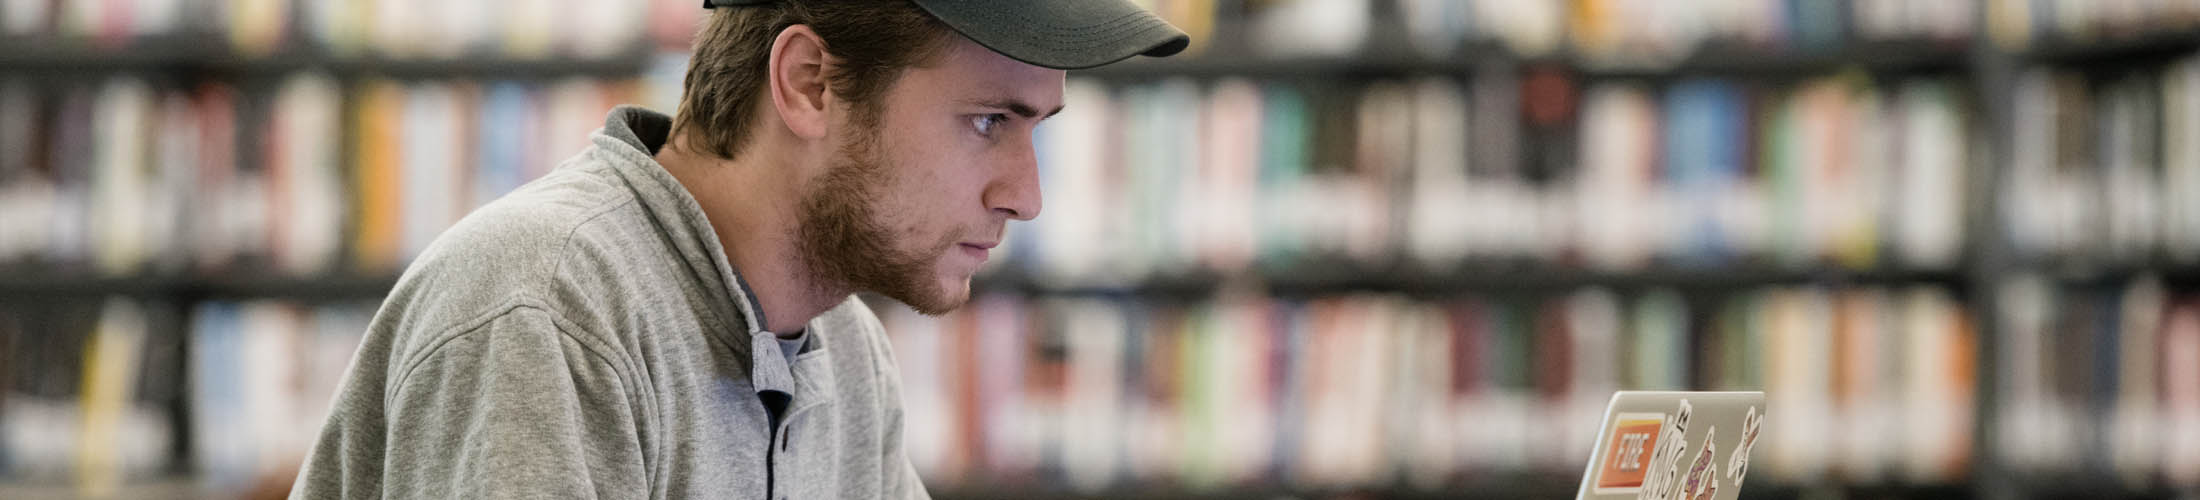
x,y
1059,34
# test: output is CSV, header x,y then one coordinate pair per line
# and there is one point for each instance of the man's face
x,y
911,205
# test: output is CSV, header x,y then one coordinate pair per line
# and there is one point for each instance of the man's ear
x,y
797,74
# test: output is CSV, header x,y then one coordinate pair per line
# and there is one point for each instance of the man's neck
x,y
754,205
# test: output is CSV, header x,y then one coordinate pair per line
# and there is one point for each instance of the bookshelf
x,y
2114,50
333,286
1879,57
1984,73
212,57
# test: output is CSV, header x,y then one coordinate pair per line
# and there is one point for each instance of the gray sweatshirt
x,y
585,337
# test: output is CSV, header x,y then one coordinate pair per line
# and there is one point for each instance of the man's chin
x,y
954,291
946,294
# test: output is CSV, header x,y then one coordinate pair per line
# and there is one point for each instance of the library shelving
x,y
1965,257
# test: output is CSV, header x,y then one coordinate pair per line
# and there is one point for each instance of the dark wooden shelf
x,y
1517,485
2115,50
1474,278
1332,278
1711,59
324,287
474,66
1367,64
2082,272
1729,59
208,54
20,284
17,284
1509,487
212,55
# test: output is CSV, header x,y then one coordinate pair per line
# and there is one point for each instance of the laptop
x,y
1674,446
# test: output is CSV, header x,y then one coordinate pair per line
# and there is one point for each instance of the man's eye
x,y
984,124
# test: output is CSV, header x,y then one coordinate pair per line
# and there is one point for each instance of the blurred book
x,y
89,389
1438,28
1327,28
303,133
43,412
27,184
2102,169
2180,141
263,376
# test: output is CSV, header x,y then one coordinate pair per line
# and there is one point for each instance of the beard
x,y
847,244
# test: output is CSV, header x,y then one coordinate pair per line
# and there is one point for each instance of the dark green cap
x,y
1059,34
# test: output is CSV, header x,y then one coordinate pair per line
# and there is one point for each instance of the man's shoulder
x,y
540,215
525,231
512,249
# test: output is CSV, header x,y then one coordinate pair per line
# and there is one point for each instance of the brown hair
x,y
871,43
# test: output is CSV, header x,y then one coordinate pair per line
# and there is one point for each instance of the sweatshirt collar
x,y
630,137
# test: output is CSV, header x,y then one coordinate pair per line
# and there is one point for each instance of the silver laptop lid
x,y
1674,446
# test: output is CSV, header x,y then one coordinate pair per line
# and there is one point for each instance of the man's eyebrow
x,y
1020,108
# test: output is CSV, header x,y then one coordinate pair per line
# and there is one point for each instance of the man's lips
x,y
978,250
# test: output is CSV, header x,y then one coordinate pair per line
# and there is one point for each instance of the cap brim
x,y
1061,34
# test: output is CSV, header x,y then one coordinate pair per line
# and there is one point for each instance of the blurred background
x,y
1373,249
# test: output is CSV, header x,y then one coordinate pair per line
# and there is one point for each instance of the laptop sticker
x,y
1663,481
1628,456
1700,472
1738,465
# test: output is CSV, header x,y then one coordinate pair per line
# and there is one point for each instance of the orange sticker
x,y
1627,455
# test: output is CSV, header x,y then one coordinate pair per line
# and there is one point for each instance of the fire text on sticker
x,y
1627,456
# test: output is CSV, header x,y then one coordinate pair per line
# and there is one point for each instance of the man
x,y
669,314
